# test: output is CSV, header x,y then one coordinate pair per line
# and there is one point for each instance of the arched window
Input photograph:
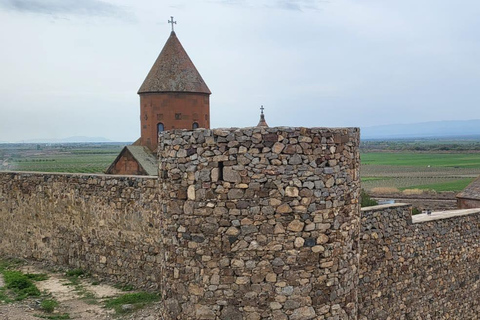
x,y
195,125
160,128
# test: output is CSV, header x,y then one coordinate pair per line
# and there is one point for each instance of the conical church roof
x,y
173,71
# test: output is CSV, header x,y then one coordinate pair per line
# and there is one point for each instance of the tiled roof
x,y
472,191
145,158
173,71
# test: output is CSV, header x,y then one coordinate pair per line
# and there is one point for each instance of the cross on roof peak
x,y
172,22
262,108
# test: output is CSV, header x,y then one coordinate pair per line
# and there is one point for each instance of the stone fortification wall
x,y
108,225
260,223
425,268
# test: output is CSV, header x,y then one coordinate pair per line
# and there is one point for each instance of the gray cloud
x,y
298,5
294,5
66,7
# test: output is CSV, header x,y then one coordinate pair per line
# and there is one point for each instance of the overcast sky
x,y
73,67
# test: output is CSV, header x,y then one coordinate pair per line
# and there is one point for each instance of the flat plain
x,y
419,170
64,157
428,165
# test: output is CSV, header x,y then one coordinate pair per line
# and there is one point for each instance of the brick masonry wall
x,y
176,110
260,223
108,225
424,270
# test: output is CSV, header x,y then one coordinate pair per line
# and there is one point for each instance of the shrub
x,y
20,284
365,200
48,305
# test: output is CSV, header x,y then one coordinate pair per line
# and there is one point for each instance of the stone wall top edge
x,y
441,215
269,129
67,174
385,206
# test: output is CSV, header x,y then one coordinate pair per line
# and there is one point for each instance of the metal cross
x,y
262,108
172,22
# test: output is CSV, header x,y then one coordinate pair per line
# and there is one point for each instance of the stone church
x,y
172,96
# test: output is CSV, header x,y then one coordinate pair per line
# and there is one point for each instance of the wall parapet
x,y
260,223
425,267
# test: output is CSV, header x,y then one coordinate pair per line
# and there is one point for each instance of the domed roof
x,y
173,71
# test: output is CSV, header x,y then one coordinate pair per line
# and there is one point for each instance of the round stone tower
x,y
173,95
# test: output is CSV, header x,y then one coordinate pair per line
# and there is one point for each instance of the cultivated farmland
x,y
68,157
436,171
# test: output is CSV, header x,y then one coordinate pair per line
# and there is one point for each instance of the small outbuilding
x,y
470,196
135,160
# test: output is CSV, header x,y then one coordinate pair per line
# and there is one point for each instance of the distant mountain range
x,y
434,129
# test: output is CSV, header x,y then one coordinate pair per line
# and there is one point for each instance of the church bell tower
x,y
173,95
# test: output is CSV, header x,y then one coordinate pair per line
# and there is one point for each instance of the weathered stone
x,y
278,147
299,241
291,192
322,238
204,313
284,208
191,192
295,226
231,175
303,313
295,159
279,229
231,313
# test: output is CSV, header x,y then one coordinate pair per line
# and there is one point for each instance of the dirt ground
x,y
84,301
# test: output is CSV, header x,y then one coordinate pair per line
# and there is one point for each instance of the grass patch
x,y
136,300
124,287
74,276
20,285
365,179
10,263
75,273
456,185
37,276
455,160
53,317
48,305
3,296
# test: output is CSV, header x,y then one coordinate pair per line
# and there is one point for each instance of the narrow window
x,y
178,116
195,125
160,128
220,171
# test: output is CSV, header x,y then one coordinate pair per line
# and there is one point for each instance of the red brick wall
x,y
174,110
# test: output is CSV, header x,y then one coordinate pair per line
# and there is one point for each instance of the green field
x,y
455,185
411,170
454,160
71,158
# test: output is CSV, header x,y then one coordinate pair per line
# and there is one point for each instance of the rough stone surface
x,y
426,270
258,256
108,225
